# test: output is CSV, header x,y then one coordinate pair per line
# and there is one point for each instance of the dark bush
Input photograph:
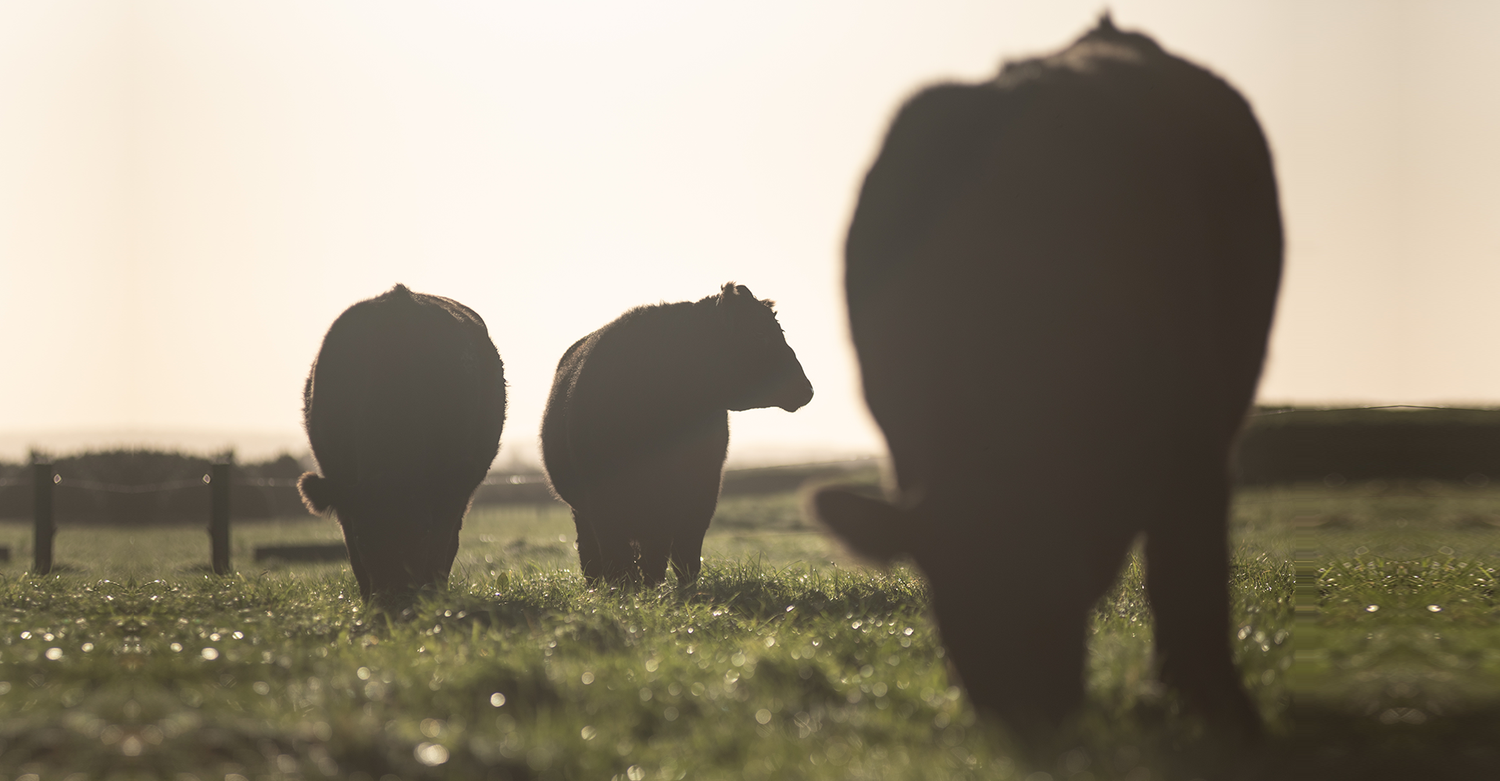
x,y
1290,445
146,487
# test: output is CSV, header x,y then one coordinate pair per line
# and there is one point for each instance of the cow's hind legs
x,y
443,566
1187,580
655,550
357,563
687,557
446,550
601,556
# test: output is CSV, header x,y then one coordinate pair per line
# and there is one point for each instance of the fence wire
x,y
125,488
252,482
1304,410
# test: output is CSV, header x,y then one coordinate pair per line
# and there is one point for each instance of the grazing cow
x,y
636,428
403,408
1060,284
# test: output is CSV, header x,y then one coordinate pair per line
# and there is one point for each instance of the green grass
x,y
786,660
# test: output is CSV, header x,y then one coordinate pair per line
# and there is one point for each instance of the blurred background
x,y
191,191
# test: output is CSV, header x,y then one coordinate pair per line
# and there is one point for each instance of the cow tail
x,y
317,493
871,527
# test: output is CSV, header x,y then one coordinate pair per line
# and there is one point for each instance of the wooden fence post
x,y
41,514
218,520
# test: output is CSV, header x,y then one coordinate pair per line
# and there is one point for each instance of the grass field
x,y
1365,623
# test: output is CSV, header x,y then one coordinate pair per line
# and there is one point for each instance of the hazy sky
x,y
191,191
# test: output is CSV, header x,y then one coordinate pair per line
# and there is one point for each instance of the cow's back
x,y
623,393
1071,269
406,388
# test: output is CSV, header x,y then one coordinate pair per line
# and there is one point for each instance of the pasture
x,y
1365,615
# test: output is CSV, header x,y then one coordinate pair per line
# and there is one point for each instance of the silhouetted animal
x,y
403,408
636,428
1060,284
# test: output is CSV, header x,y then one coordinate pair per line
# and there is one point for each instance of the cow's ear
x,y
732,294
731,300
870,527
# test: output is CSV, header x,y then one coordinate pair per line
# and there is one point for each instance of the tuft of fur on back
x,y
317,493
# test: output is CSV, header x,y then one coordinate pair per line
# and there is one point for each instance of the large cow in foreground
x,y
637,426
1060,284
403,409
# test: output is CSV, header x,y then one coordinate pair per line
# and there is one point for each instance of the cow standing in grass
x,y
636,427
403,408
1060,284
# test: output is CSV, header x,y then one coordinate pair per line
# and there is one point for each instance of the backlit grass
x,y
786,660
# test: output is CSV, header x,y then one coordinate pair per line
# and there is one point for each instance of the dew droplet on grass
x,y
430,754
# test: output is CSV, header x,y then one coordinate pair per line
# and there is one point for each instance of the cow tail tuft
x,y
317,493
871,527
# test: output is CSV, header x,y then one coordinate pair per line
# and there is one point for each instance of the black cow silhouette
x,y
637,426
1060,284
403,408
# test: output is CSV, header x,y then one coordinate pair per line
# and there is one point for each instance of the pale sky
x,y
191,191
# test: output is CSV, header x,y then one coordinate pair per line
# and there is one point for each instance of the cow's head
x,y
759,367
400,540
1007,631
